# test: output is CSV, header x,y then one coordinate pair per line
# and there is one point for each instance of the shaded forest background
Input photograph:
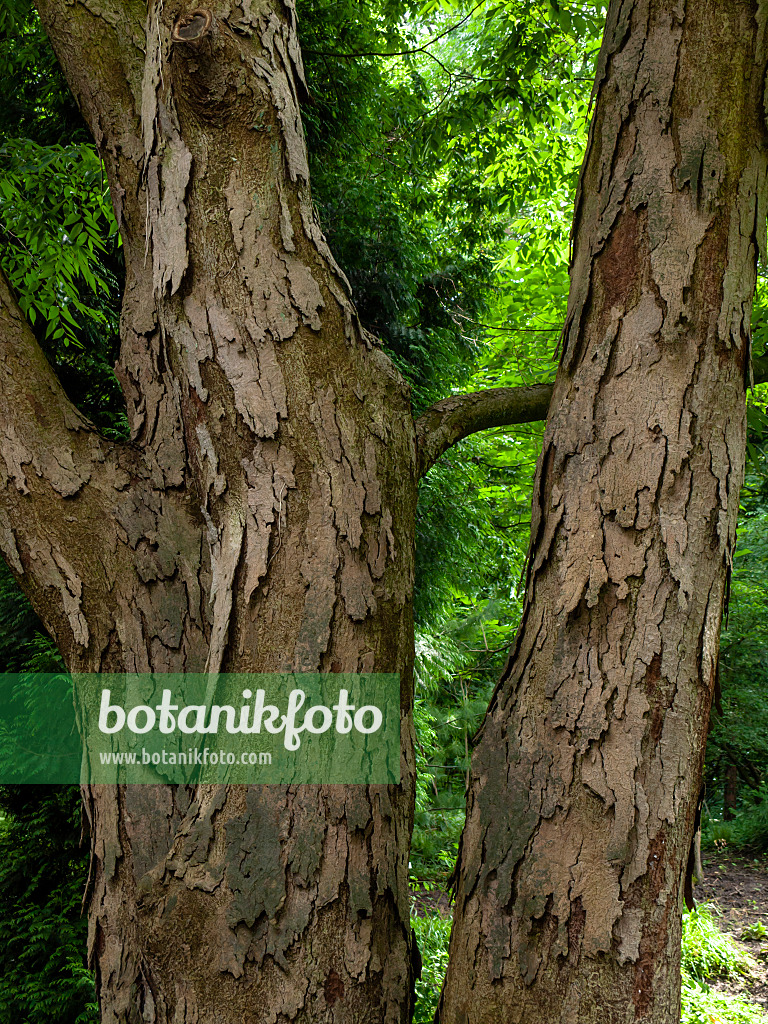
x,y
445,141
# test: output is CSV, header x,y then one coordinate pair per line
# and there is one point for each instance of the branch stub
x,y
192,26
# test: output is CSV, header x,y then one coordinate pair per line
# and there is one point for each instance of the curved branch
x,y
100,47
56,502
451,419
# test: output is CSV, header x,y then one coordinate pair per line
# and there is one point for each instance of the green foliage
x,y
754,932
24,644
367,178
707,952
43,975
57,223
473,531
739,722
702,1005
750,827
446,147
433,933
59,244
747,832
474,513
36,104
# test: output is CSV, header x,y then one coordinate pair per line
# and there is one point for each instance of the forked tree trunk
x,y
586,772
262,520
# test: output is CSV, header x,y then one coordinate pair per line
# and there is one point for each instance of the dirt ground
x,y
427,901
738,887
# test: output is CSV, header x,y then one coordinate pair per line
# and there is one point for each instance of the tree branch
x,y
56,486
105,42
451,419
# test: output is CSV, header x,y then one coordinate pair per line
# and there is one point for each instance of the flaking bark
x,y
261,519
586,772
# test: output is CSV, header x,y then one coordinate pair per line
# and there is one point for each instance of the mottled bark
x,y
261,519
586,771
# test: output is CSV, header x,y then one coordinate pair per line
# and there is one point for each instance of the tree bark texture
x,y
261,519
586,770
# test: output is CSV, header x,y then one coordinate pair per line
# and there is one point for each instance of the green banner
x,y
279,728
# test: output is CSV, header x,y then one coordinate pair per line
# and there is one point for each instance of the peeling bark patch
x,y
61,472
617,266
575,931
55,464
167,181
270,477
8,543
225,543
333,988
253,863
318,569
357,588
15,456
253,373
167,163
284,291
52,569
284,61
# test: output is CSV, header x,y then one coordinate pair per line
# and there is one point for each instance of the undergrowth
x,y
747,831
707,954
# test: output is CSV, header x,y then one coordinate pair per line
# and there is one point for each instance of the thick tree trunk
x,y
586,772
261,520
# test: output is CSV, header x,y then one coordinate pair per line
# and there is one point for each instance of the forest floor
x,y
431,899
737,887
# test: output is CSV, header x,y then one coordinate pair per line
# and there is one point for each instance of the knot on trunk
x,y
192,26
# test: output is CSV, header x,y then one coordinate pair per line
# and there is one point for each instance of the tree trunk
x,y
730,792
261,520
587,768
